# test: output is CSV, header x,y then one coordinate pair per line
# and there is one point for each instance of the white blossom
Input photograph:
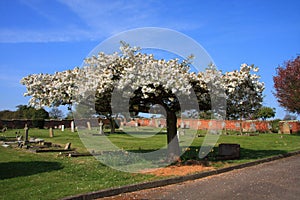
x,y
130,70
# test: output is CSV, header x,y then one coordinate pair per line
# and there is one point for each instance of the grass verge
x,y
45,176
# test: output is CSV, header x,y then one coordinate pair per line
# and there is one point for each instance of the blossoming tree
x,y
110,81
287,85
244,92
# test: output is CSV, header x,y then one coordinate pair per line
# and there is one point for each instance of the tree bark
x,y
173,152
112,125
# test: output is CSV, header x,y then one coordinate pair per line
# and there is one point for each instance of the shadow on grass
x,y
192,153
122,158
257,154
17,169
245,154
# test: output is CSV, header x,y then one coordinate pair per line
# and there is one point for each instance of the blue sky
x,y
41,36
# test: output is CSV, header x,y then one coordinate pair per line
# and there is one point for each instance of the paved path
x,y
278,179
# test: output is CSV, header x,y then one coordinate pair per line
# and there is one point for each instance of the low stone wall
x,y
202,124
285,127
20,123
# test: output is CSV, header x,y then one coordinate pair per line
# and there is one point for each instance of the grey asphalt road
x,y
278,179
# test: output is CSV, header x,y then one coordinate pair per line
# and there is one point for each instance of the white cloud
x,y
21,35
111,17
101,19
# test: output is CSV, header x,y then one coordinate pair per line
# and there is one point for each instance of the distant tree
x,y
40,114
55,113
287,85
7,114
265,113
29,112
244,92
288,116
69,115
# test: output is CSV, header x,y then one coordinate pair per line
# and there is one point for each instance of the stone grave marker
x,y
72,126
286,129
229,151
68,146
252,128
88,126
51,132
101,128
26,133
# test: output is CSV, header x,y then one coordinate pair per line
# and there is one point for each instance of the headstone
x,y
178,136
51,132
286,128
72,126
252,128
19,138
47,144
229,151
68,146
187,125
88,126
101,128
223,125
182,124
62,127
156,122
26,133
198,124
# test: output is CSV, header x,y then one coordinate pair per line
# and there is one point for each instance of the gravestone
x,y
286,129
252,127
72,126
178,136
187,125
101,128
51,132
198,125
223,125
182,125
210,124
229,151
62,127
68,146
88,126
26,133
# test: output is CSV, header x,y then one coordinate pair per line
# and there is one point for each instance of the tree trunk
x,y
173,152
112,125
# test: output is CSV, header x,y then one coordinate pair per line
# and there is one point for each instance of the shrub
x,y
38,123
275,125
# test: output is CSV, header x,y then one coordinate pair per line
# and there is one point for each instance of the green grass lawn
x,y
26,175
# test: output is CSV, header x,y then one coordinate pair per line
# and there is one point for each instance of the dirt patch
x,y
176,170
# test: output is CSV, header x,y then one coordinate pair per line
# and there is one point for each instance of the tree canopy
x,y
24,112
265,113
287,85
